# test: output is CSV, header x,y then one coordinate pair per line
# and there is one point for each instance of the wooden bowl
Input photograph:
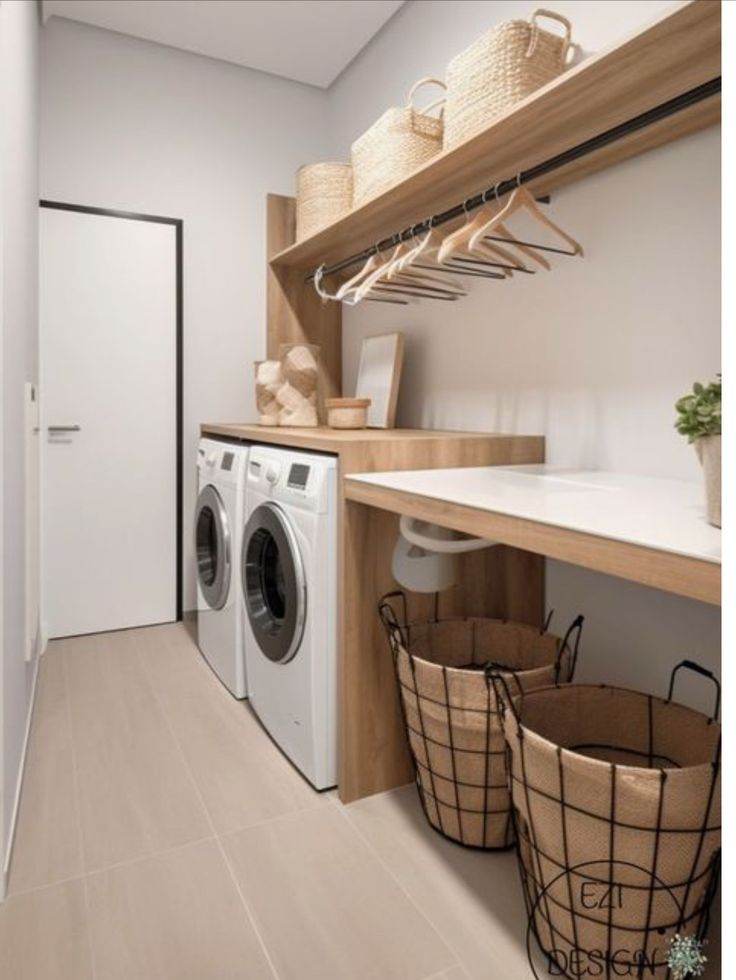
x,y
347,413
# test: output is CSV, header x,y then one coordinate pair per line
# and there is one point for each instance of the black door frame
x,y
178,225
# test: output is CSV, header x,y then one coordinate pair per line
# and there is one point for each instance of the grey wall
x,y
134,125
19,293
592,354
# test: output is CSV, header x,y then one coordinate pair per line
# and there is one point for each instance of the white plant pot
x,y
708,449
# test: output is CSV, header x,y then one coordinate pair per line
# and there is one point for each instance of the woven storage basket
x,y
616,799
451,716
500,69
396,145
324,193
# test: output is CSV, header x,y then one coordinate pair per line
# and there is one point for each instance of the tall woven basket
x,y
324,193
617,805
451,716
396,145
501,68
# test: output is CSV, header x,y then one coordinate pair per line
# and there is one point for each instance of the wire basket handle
x,y
501,689
698,669
395,629
576,626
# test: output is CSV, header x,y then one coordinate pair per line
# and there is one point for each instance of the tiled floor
x,y
162,836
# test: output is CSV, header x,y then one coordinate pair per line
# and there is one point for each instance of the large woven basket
x,y
324,193
451,716
616,798
396,145
501,68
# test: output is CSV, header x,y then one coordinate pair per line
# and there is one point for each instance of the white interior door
x,y
108,353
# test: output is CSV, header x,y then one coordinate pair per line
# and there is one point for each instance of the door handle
x,y
65,428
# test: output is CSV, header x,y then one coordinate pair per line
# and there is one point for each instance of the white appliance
x,y
289,580
218,525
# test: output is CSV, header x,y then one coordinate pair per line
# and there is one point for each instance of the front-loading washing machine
x,y
218,525
289,582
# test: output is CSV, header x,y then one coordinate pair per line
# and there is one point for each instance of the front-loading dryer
x,y
289,582
218,525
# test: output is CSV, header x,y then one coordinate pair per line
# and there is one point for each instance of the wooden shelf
x,y
365,444
676,53
645,530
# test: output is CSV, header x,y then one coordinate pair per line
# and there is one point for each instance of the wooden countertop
x,y
647,530
336,441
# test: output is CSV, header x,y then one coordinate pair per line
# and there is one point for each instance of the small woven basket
x,y
324,193
396,145
501,68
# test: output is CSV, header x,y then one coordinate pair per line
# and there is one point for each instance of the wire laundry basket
x,y
451,716
616,800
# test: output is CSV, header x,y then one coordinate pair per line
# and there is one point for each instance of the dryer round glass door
x,y
212,544
274,587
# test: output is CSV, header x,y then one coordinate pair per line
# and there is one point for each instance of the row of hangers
x,y
434,266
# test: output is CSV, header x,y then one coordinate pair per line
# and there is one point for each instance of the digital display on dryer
x,y
298,476
227,461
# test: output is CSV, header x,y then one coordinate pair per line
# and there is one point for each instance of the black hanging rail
x,y
503,187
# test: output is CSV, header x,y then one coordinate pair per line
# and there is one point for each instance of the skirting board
x,y
19,785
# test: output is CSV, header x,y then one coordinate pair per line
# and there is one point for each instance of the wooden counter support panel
x,y
373,752
498,582
295,313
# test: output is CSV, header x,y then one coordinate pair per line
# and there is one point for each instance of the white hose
x,y
444,547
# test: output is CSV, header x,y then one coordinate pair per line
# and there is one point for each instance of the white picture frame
x,y
379,373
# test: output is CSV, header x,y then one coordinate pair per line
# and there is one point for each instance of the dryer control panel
x,y
220,462
299,479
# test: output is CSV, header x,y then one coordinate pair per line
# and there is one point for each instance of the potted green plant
x,y
699,418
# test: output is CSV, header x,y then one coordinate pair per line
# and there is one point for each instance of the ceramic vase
x,y
708,449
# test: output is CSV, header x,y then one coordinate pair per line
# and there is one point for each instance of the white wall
x,y
133,125
19,363
592,354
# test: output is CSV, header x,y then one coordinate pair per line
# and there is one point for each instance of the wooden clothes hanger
x,y
456,244
520,199
403,269
387,275
352,284
378,272
427,251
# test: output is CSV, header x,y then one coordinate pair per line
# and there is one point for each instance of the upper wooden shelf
x,y
674,54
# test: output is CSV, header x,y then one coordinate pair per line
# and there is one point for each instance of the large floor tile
x,y
473,899
325,907
136,796
243,778
47,845
176,916
44,935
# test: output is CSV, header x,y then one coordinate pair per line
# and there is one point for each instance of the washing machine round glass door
x,y
274,587
212,543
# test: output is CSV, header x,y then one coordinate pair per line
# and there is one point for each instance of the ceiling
x,y
308,41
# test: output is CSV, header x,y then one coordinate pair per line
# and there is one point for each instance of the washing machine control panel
x,y
298,476
221,463
300,482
